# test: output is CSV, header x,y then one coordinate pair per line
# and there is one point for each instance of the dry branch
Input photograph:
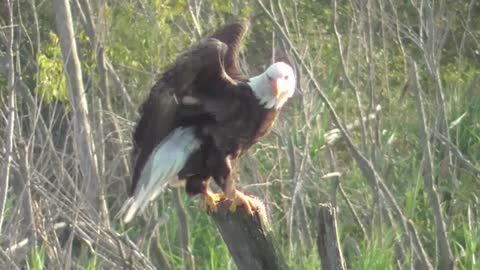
x,y
7,261
5,173
187,256
445,259
83,142
248,238
329,248
115,250
368,169
464,162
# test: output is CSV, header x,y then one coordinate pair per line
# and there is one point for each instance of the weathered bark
x,y
5,173
329,248
248,238
84,145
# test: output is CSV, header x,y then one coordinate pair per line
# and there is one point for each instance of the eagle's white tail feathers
x,y
163,165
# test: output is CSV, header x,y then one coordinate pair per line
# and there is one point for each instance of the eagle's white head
x,y
275,86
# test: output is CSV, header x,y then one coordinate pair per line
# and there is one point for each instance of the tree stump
x,y
248,238
329,248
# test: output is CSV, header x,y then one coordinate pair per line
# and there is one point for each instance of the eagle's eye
x,y
286,77
269,78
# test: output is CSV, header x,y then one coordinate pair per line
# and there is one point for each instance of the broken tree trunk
x,y
248,238
329,248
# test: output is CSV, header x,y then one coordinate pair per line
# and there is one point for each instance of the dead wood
x,y
248,238
329,248
84,144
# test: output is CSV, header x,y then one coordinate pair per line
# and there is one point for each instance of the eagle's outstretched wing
x,y
232,35
214,58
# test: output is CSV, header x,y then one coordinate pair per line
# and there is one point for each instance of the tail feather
x,y
163,165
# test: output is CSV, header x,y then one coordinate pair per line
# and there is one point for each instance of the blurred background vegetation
x,y
379,63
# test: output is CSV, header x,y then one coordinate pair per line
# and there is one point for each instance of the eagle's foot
x,y
212,200
250,204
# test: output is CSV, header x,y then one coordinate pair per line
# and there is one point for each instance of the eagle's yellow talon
x,y
250,204
232,208
212,200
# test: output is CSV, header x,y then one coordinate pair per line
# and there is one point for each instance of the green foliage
x,y
37,258
466,245
52,84
207,244
378,254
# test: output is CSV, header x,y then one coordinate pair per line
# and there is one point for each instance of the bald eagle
x,y
201,116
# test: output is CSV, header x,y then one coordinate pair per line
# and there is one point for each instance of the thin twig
x,y
446,260
184,230
5,173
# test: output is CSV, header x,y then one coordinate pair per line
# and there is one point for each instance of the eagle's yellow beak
x,y
279,87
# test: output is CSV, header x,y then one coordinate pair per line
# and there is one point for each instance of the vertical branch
x,y
338,186
372,126
329,249
432,53
100,57
350,83
5,173
184,231
195,18
84,144
102,164
96,44
297,208
446,260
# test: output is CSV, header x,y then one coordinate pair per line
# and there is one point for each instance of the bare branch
x,y
445,256
8,261
5,173
83,141
349,81
184,230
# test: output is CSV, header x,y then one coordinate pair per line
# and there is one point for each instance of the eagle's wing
x,y
159,111
214,58
232,35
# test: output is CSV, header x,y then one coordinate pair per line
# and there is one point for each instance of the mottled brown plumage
x,y
205,92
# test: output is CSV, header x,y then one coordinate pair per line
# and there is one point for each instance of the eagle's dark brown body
x,y
240,125
248,122
225,114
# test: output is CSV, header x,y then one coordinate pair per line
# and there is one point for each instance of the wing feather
x,y
232,35
163,165
158,112
211,67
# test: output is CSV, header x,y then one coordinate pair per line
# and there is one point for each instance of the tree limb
x,y
83,142
5,173
445,259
